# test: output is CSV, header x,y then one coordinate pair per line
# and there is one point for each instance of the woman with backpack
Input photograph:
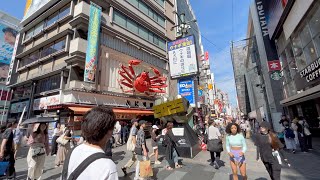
x,y
171,145
289,137
270,150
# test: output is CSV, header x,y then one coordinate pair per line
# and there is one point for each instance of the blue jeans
x,y
174,159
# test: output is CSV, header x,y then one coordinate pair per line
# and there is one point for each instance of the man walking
x,y
141,146
131,143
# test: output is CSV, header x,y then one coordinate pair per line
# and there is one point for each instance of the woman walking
x,y
270,150
236,147
171,151
289,137
56,134
63,148
294,127
301,136
214,144
154,143
39,147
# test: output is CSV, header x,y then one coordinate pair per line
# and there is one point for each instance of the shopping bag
x,y
3,167
145,169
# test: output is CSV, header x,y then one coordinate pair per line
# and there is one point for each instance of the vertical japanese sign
x,y
186,89
93,44
12,60
182,57
272,56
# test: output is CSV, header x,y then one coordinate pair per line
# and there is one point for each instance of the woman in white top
x,y
214,136
56,134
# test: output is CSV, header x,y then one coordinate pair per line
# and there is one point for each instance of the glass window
x,y
132,26
119,19
156,40
59,45
160,2
52,19
47,50
150,36
143,32
305,36
143,7
316,41
151,13
134,2
161,21
38,28
34,56
64,12
301,61
291,60
29,34
310,52
162,44
315,23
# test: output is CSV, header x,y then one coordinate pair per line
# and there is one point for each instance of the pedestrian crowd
x,y
79,158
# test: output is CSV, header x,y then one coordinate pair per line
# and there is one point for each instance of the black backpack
x,y
288,132
76,173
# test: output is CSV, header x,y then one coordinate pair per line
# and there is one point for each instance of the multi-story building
x,y
50,61
239,54
8,34
296,33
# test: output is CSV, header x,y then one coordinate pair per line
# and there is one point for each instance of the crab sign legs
x,y
141,83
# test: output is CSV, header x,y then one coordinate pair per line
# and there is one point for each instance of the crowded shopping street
x,y
160,90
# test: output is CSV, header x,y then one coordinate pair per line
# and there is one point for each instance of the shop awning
x,y
309,94
83,110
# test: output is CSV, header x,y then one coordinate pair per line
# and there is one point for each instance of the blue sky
x,y
215,20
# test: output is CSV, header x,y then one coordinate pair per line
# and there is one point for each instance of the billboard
x,y
93,44
32,6
186,89
182,57
7,42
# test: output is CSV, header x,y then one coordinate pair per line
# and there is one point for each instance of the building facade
x,y
50,61
296,36
8,34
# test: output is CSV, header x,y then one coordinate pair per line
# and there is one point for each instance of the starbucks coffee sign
x,y
311,72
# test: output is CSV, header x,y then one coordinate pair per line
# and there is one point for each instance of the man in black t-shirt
x,y
7,148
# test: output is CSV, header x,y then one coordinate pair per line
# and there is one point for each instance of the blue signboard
x,y
93,44
186,89
200,92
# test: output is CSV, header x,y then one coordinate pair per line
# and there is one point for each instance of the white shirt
x,y
101,169
213,133
57,132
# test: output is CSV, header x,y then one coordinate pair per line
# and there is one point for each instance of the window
x,y
48,84
47,50
143,7
52,19
156,40
143,32
60,45
134,2
310,52
160,2
298,53
34,56
305,36
119,19
64,12
161,21
151,37
38,28
29,34
152,14
132,26
162,44
315,23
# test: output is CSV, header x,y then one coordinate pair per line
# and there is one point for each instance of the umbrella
x,y
38,120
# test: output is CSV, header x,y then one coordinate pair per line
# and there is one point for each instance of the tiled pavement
x,y
304,167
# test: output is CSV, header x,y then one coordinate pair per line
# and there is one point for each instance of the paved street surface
x,y
304,166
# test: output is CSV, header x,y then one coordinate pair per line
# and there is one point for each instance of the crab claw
x,y
156,71
134,62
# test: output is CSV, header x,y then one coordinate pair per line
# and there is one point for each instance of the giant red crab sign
x,y
141,83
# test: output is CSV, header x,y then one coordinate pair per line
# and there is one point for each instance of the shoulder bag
x,y
214,145
130,145
77,172
61,140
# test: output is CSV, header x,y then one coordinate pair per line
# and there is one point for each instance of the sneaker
x,y
157,162
124,170
294,151
212,164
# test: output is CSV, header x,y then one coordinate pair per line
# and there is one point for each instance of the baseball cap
x,y
155,127
142,122
134,120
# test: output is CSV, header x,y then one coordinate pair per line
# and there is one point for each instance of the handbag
x,y
215,145
145,169
130,145
37,151
61,140
138,150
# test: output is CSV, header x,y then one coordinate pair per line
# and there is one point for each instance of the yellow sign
x,y
210,86
28,4
170,108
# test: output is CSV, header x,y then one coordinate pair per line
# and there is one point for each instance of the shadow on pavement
x,y
57,176
118,156
240,178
